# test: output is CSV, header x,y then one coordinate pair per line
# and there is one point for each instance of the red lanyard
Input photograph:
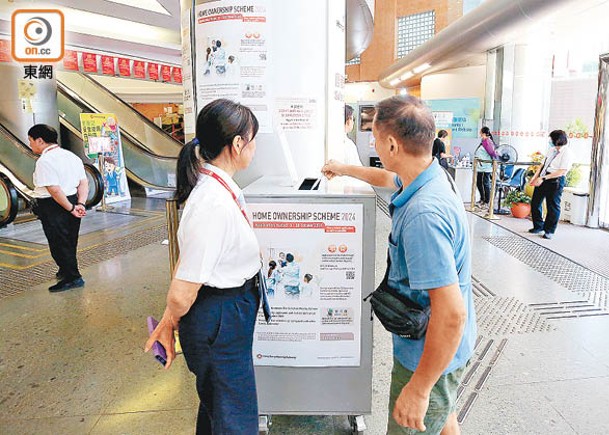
x,y
46,150
219,179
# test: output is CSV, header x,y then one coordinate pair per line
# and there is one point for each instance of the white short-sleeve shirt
x,y
345,152
57,167
218,247
563,160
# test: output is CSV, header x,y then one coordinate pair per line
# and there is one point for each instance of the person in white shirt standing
x,y
214,295
347,151
60,192
549,182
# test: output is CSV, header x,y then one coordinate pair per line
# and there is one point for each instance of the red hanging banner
x,y
177,74
89,62
166,73
124,67
5,50
107,65
139,69
153,71
70,60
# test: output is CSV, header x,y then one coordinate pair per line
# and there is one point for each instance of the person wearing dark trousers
x,y
60,192
214,295
549,182
485,151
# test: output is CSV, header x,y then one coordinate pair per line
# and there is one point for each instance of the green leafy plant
x,y
574,175
516,196
576,126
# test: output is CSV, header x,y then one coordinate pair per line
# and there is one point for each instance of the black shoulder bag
x,y
397,313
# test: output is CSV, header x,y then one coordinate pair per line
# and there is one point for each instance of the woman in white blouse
x,y
549,182
213,297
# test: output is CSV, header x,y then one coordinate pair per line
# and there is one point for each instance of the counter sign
x,y
37,35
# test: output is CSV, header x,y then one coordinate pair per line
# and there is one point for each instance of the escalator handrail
x,y
121,101
13,197
99,185
18,183
142,147
130,174
79,101
23,148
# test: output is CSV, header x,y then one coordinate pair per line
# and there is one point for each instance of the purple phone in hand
x,y
157,348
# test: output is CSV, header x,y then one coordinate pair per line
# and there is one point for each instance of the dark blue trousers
x,y
216,336
61,229
551,191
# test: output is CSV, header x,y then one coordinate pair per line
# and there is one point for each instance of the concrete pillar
x,y
526,84
288,66
18,114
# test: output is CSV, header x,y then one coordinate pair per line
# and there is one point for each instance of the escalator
x,y
17,164
150,154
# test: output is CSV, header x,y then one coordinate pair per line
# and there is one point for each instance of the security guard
x,y
61,188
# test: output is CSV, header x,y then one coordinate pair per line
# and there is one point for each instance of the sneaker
x,y
64,285
535,231
59,275
548,236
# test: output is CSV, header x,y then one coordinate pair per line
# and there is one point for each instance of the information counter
x,y
315,357
463,180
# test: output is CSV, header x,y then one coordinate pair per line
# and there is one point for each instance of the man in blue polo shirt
x,y
430,263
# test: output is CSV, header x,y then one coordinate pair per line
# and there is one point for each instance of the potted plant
x,y
519,202
537,159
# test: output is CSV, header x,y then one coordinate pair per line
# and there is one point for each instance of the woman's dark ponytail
x,y
217,124
187,170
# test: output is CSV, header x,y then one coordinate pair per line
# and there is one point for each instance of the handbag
x,y
397,313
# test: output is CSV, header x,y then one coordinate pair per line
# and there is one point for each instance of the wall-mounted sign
x,y
89,62
124,67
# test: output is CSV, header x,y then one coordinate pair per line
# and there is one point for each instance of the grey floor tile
x,y
147,386
176,422
544,357
48,426
514,410
576,400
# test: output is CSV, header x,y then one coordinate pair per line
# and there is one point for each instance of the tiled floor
x,y
72,363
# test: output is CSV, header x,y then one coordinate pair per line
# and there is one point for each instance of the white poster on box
x,y
312,257
232,40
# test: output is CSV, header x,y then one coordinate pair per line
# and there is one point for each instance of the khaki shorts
x,y
442,401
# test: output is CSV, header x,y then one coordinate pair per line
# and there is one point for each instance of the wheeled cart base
x,y
357,423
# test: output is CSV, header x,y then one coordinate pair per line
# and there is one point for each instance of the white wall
x,y
468,82
366,91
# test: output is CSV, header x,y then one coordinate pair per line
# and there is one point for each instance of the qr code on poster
x,y
350,274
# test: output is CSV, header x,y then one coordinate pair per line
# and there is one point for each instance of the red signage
x,y
107,65
153,71
89,62
70,60
5,50
177,74
124,67
139,69
166,73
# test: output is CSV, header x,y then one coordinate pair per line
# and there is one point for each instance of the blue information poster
x,y
466,115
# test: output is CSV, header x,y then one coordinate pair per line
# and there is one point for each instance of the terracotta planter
x,y
521,210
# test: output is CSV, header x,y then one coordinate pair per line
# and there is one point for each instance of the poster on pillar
x,y
101,134
465,118
232,42
312,256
